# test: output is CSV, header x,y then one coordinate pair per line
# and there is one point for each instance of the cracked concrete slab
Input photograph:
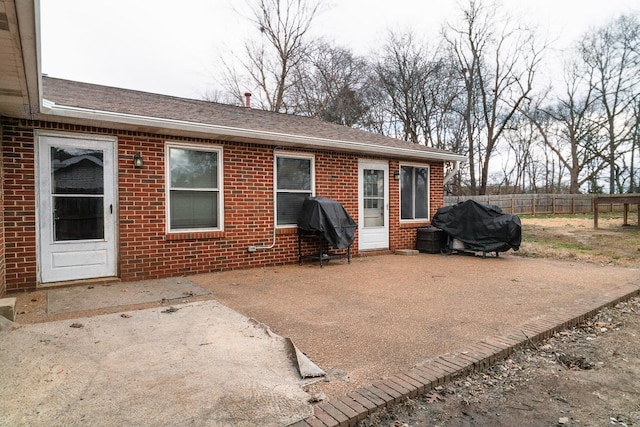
x,y
200,364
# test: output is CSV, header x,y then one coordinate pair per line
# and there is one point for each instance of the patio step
x,y
407,252
8,308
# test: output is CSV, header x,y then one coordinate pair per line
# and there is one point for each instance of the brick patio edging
x,y
346,411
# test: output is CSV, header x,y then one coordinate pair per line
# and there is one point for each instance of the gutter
x,y
27,15
51,108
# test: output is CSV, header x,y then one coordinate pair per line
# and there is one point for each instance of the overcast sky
x,y
172,47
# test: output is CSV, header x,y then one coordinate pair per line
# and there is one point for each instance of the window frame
x,y
219,189
291,155
413,192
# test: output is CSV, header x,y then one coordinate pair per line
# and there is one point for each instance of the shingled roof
x,y
75,99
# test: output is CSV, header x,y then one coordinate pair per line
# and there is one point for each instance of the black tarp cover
x,y
480,227
328,217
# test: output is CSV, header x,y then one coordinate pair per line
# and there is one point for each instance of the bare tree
x,y
221,96
281,47
401,71
566,125
612,53
634,185
329,85
497,62
378,114
520,163
441,106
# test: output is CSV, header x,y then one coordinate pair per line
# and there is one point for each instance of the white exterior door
x,y
373,205
76,208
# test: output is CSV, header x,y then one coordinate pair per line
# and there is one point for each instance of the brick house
x,y
105,182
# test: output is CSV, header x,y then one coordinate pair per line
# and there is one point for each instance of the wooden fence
x,y
542,204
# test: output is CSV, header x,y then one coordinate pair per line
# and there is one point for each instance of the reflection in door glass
x,y
77,171
373,198
77,187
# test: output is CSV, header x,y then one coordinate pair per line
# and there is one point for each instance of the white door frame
x,y
59,261
373,237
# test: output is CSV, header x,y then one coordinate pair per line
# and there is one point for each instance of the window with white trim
x,y
414,192
194,181
294,182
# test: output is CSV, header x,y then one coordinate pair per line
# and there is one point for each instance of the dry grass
x,y
574,238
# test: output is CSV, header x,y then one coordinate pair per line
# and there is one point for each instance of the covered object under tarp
x,y
480,227
329,218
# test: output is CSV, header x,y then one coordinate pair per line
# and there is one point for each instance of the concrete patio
x,y
381,317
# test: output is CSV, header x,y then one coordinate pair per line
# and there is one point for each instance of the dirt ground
x,y
575,239
584,376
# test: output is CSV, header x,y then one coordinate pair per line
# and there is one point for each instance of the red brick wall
x,y
3,281
19,205
146,251
402,235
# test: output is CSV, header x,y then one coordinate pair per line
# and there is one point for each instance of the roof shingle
x,y
130,102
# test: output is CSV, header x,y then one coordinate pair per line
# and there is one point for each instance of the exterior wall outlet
x,y
252,249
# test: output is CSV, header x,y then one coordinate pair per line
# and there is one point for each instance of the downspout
x,y
450,175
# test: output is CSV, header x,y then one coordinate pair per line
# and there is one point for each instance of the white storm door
x,y
76,208
373,205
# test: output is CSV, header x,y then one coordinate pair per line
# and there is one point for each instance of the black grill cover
x,y
329,218
481,227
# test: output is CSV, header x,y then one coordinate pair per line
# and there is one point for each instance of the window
x,y
414,192
194,181
294,182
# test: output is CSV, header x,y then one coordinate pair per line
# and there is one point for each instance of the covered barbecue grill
x,y
479,228
327,224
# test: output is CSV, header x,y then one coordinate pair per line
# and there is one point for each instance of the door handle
x,y
111,209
